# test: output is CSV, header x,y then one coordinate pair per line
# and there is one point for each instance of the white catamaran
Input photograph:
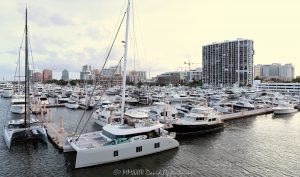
x,y
135,136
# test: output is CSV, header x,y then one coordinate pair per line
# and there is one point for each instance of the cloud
x,y
43,17
93,33
60,20
14,51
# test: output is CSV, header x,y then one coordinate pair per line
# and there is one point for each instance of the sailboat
x,y
135,136
27,128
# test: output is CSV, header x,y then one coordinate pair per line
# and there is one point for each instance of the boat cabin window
x,y
139,149
152,112
213,119
151,134
116,153
15,103
199,118
15,126
156,145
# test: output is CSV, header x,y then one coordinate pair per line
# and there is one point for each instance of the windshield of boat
x,y
151,134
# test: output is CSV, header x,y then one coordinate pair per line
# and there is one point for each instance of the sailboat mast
x,y
125,60
27,99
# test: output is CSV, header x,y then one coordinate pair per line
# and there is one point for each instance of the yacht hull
x,y
105,154
101,122
284,111
186,129
71,106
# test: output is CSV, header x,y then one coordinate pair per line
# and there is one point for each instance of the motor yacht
x,y
284,107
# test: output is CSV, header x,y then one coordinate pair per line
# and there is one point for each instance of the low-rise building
x,y
277,87
136,76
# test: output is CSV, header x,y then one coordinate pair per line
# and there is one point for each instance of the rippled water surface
x,y
256,146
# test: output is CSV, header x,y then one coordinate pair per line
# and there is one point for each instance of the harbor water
x,y
264,145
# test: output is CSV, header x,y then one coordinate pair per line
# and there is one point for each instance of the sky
x,y
67,34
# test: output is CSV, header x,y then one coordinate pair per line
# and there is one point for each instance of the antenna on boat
x,y
125,60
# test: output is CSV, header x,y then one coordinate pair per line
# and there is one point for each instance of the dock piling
x,y
61,129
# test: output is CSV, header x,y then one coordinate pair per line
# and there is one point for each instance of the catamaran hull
x,y
24,134
105,154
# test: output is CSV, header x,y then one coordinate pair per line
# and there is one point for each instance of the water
x,y
256,146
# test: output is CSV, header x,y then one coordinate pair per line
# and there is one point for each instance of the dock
x,y
246,113
55,105
55,135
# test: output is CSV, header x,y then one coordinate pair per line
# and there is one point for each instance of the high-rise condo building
x,y
47,75
65,75
228,63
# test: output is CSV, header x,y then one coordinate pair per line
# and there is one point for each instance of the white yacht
x,y
86,102
107,113
243,104
284,108
174,97
43,100
163,112
138,137
18,104
62,99
72,104
113,91
7,92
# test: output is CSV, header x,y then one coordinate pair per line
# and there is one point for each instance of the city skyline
x,y
68,36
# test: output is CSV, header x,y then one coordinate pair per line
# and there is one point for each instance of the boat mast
x,y
27,99
125,60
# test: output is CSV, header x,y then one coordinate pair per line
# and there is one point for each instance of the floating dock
x,y
55,105
56,135
246,113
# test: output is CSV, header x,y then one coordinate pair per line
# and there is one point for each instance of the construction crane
x,y
189,63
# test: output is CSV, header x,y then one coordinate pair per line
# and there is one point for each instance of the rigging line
x,y
99,100
102,69
142,44
20,53
31,53
119,17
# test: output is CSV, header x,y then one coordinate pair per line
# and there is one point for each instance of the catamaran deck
x,y
90,140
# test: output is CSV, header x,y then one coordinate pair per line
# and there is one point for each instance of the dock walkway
x,y
57,137
244,113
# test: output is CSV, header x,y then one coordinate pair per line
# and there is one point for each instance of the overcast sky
x,y
66,34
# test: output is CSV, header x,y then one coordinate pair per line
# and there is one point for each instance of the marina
x,y
208,155
223,116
